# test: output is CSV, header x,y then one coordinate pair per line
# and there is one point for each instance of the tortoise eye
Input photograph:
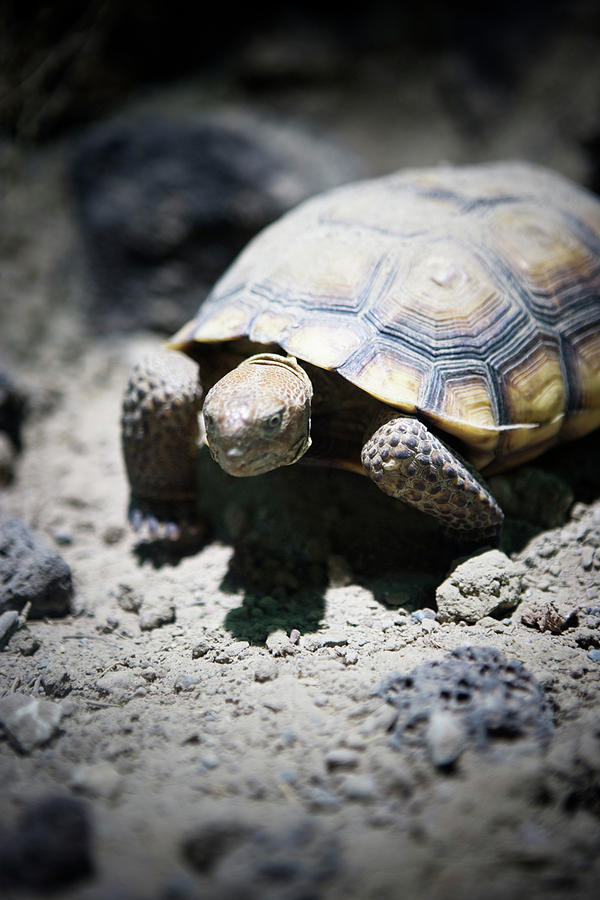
x,y
273,423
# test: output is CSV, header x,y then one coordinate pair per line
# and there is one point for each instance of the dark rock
x,y
13,407
492,697
295,860
211,841
165,204
50,848
30,572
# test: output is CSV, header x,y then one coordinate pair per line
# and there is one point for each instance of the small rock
x,y
25,643
419,615
99,779
30,572
186,682
342,758
231,652
265,670
200,649
487,584
51,847
279,644
28,721
594,655
446,737
351,657
56,680
113,534
128,598
552,614
9,622
333,638
311,642
587,557
63,537
210,760
161,612
359,787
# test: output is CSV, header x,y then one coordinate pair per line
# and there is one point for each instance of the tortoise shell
x,y
469,296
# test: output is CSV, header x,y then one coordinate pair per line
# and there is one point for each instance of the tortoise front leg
x,y
160,434
407,461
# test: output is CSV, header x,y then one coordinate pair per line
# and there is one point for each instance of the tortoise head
x,y
257,417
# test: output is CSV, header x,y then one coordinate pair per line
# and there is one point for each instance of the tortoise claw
x,y
161,520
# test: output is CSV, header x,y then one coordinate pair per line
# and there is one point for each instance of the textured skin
x,y
160,433
470,294
405,460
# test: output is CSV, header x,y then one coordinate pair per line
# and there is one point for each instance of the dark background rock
x,y
50,848
13,406
166,202
30,572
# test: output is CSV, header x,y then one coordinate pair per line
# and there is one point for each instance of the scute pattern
x,y
469,295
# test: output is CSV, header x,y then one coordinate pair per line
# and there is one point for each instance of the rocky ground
x,y
321,699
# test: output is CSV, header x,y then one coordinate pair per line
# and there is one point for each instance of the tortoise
x,y
425,329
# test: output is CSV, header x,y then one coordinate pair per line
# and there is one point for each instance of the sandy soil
x,y
237,749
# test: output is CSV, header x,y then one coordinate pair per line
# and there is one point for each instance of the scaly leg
x,y
160,435
407,461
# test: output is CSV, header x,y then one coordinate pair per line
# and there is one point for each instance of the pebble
x,y
280,644
200,649
56,680
186,682
210,760
26,643
342,758
359,787
63,537
29,721
31,572
162,612
587,557
351,658
594,655
99,779
419,615
128,598
265,670
446,738
231,652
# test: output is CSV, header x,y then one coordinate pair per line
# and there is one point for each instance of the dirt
x,y
220,718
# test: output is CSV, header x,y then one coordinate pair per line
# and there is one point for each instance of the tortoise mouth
x,y
258,460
